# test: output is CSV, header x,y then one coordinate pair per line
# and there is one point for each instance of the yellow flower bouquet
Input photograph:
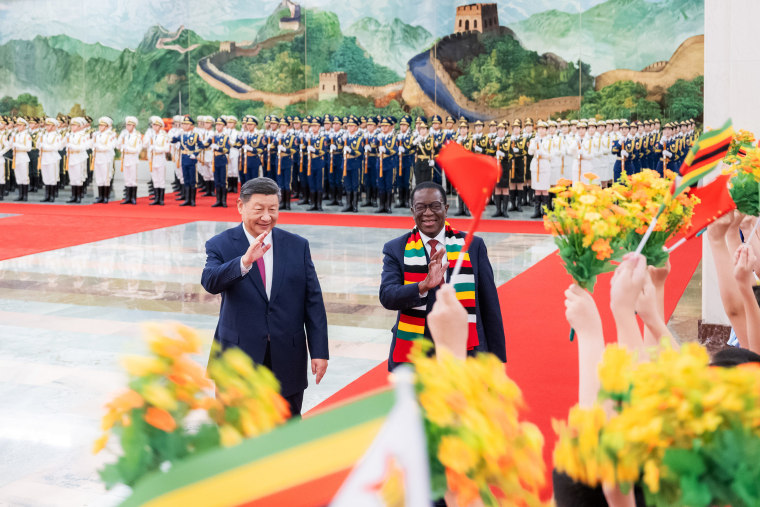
x,y
479,448
743,163
151,417
641,195
690,432
588,226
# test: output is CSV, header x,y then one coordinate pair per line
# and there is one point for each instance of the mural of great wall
x,y
429,85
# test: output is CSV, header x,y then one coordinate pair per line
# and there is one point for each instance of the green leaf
x,y
206,438
745,192
684,461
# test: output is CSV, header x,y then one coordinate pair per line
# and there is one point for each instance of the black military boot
x,y
368,201
186,196
349,203
192,196
460,208
497,199
314,202
288,196
381,202
2,192
20,194
218,203
536,207
80,194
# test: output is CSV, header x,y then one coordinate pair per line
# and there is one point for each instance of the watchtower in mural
x,y
476,18
330,84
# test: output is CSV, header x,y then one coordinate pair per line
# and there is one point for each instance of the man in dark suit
x,y
409,283
272,305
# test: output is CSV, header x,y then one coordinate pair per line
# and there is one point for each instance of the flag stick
x,y
650,230
754,230
677,244
467,241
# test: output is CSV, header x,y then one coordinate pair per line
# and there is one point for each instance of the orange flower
x,y
564,182
602,249
161,419
466,489
100,443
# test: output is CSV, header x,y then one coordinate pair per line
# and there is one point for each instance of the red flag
x,y
715,201
473,175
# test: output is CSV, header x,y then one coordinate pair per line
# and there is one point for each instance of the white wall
x,y
732,90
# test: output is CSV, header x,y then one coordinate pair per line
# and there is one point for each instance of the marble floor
x,y
67,315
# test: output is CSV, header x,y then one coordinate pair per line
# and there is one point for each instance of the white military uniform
x,y
159,147
583,158
49,143
130,145
176,131
77,146
21,143
557,154
103,146
234,155
206,158
540,165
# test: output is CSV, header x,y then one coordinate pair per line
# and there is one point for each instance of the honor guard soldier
x,y
286,149
49,143
253,148
175,132
104,142
353,154
352,163
296,182
190,149
130,145
302,140
664,149
3,150
156,152
271,159
21,144
35,130
76,149
501,192
527,192
233,165
205,165
316,147
583,154
540,168
220,145
335,158
424,151
387,164
439,139
370,161
406,155
516,151
622,148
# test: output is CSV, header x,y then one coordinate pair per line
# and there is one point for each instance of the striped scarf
x,y
411,324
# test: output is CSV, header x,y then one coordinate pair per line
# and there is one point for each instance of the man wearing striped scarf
x,y
418,262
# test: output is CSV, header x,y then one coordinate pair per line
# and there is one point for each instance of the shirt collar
x,y
441,237
251,238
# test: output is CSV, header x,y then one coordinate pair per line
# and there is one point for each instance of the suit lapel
x,y
241,243
278,260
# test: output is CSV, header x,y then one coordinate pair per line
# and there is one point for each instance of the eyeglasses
x,y
434,206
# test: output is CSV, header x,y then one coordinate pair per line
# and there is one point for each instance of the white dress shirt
x,y
268,260
441,238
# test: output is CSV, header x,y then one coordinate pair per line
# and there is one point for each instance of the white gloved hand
x,y
500,153
214,146
478,149
382,149
311,149
367,148
667,153
247,148
281,149
192,156
347,150
333,147
431,163
401,149
624,153
516,150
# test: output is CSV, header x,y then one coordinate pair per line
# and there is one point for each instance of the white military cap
x,y
130,120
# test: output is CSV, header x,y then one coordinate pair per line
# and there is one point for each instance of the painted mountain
x,y
616,34
394,43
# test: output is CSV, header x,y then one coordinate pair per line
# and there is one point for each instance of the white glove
x,y
500,154
382,149
333,147
460,139
624,153
401,149
347,150
367,148
667,153
311,149
281,149
214,146
431,163
247,148
192,156
479,149
516,150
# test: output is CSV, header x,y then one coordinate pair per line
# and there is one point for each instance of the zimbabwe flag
x,y
704,156
300,464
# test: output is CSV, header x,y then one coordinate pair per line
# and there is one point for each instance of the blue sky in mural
x,y
122,24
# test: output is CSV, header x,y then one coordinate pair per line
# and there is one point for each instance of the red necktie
x,y
262,272
433,243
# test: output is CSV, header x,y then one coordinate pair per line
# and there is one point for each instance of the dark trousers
x,y
294,400
188,171
422,171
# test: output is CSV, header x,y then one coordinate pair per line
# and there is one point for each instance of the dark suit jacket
x,y
394,295
293,316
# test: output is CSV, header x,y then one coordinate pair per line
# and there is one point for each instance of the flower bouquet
x,y
744,166
168,390
643,195
586,224
479,449
689,431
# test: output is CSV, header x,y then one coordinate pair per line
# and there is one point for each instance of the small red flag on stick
x,y
474,176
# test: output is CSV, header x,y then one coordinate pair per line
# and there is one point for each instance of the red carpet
x,y
541,359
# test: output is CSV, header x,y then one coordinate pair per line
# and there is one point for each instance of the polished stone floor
x,y
67,315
